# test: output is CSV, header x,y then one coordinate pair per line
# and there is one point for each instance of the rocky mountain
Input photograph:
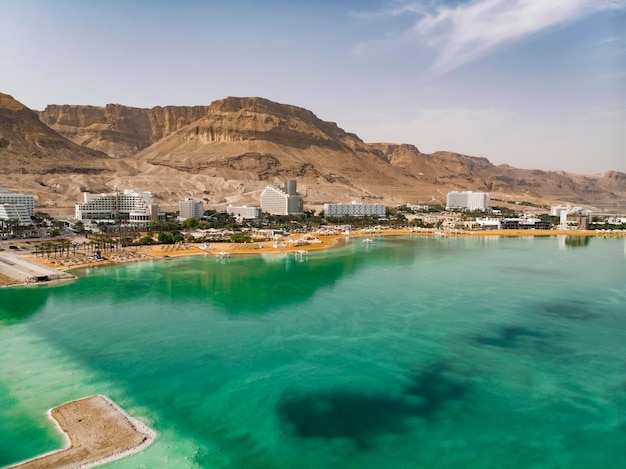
x,y
37,160
253,140
229,151
115,129
461,172
29,146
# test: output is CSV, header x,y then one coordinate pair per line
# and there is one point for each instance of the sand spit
x,y
97,430
19,270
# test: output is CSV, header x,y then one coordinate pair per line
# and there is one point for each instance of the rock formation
x,y
228,151
118,130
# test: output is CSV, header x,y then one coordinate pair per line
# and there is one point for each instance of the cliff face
x,y
118,130
253,139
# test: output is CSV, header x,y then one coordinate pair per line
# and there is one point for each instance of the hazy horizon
x,y
529,83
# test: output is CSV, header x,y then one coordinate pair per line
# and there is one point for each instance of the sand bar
x,y
98,431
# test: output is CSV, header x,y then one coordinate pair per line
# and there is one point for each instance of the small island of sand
x,y
97,430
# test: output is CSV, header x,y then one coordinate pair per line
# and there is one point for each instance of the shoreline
x,y
165,251
96,431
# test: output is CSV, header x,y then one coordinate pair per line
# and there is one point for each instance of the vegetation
x,y
240,238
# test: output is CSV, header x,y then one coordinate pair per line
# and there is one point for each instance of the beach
x,y
97,431
298,243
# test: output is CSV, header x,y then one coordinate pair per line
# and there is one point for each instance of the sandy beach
x,y
97,431
300,242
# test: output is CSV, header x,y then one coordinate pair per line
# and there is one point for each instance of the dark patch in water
x,y
435,386
362,417
345,414
508,337
569,309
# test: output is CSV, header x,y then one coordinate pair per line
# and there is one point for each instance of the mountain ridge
x,y
229,150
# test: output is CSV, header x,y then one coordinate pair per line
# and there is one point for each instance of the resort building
x,y
15,212
488,223
284,201
243,212
556,210
355,209
131,206
28,201
190,208
529,223
572,217
467,200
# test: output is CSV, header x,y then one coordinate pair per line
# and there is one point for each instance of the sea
x,y
406,352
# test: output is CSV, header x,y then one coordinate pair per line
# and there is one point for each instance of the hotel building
x,y
15,212
355,209
467,200
284,201
28,201
131,206
243,212
190,208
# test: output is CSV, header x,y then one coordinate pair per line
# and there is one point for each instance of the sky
x,y
535,84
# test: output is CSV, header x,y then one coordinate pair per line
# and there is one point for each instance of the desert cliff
x,y
228,151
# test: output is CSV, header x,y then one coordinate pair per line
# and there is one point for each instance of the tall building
x,y
355,209
190,208
28,201
131,206
284,201
467,200
15,212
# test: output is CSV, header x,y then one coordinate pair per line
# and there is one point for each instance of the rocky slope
x,y
461,172
28,146
115,129
253,140
228,151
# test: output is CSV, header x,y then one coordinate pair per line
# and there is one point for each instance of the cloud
x,y
468,31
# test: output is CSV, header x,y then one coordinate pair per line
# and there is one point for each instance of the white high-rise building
x,y
28,201
131,206
285,201
15,212
190,208
355,209
467,200
556,210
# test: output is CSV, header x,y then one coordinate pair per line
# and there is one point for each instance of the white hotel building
x,y
284,201
28,201
190,208
243,212
131,206
467,200
355,209
15,212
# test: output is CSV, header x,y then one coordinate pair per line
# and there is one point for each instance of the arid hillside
x,y
29,146
115,129
229,151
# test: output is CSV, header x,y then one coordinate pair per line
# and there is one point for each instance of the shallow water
x,y
448,353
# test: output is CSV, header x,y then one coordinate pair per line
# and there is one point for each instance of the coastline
x,y
96,431
165,251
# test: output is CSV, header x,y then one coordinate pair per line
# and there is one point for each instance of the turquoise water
x,y
434,353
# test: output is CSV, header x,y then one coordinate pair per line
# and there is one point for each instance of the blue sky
x,y
531,83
